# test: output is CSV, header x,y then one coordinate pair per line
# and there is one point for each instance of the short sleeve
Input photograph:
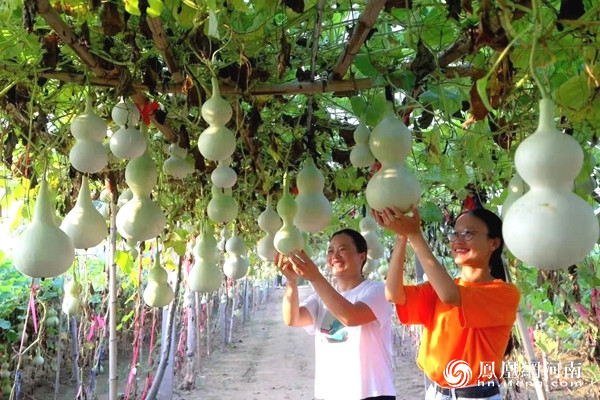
x,y
312,304
419,306
488,305
374,298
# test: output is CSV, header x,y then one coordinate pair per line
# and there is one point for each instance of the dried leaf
x,y
111,19
478,108
284,56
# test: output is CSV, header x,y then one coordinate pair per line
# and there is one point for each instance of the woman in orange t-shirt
x,y
467,321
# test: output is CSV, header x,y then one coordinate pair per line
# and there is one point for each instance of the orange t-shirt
x,y
477,332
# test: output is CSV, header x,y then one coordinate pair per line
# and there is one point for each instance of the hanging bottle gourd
x,y
127,142
313,212
158,292
236,264
140,218
225,234
71,304
216,142
549,227
269,222
222,207
176,165
393,184
288,238
205,275
516,188
84,224
43,249
361,155
368,228
223,176
88,155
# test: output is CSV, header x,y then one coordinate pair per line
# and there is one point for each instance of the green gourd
x,y
43,249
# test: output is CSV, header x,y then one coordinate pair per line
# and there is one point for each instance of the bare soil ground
x,y
267,360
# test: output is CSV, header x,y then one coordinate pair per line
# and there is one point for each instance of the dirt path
x,y
270,361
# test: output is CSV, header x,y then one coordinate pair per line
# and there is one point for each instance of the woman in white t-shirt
x,y
351,323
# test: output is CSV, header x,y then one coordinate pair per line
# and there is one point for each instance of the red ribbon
x,y
147,109
32,306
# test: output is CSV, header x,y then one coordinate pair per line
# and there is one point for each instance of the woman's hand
x,y
285,266
399,222
303,266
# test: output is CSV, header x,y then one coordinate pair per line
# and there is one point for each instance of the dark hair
x,y
494,225
357,238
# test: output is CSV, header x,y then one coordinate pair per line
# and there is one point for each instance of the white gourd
x,y
393,184
125,114
205,275
127,143
549,227
516,188
270,223
368,228
88,125
361,155
390,139
222,207
288,238
370,266
216,143
124,197
269,220
236,265
225,234
43,249
216,110
313,212
84,224
223,176
158,292
71,304
176,165
141,175
140,219
88,155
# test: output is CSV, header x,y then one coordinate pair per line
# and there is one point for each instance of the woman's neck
x,y
344,285
476,275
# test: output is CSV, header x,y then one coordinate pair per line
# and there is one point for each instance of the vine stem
x,y
537,30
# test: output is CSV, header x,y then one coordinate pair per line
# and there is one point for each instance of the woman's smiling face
x,y
472,247
343,257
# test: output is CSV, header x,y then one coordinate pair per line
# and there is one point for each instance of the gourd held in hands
x,y
393,184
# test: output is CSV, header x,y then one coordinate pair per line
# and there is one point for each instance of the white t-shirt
x,y
353,363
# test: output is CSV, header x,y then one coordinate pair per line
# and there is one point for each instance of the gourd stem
x,y
537,30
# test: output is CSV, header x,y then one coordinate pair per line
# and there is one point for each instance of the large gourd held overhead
x,y
549,227
393,184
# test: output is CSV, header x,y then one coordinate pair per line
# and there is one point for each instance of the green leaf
x,y
359,106
178,245
4,324
376,110
482,90
363,64
123,260
430,212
